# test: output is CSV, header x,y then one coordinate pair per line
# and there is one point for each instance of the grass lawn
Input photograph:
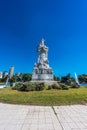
x,y
45,97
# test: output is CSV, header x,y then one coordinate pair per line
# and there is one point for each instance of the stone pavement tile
x,y
74,115
13,127
85,123
83,129
2,127
57,126
78,129
34,127
41,116
81,125
73,125
75,118
34,121
75,129
82,118
42,127
43,121
61,118
35,116
49,121
50,127
16,122
27,121
65,126
29,116
25,127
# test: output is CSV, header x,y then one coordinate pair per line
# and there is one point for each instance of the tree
x,y
66,79
56,78
13,79
83,78
26,77
3,79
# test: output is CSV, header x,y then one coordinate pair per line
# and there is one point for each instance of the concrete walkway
x,y
21,117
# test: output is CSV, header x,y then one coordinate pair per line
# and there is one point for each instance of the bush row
x,y
29,87
58,86
39,86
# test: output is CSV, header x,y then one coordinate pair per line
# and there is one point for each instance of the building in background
x,y
5,74
11,72
1,75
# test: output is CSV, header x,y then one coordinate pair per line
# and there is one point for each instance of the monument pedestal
x,y
42,76
46,82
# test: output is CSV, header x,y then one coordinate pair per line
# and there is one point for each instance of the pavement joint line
x,y
24,119
57,117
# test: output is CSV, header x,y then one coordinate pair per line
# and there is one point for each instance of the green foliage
x,y
26,77
39,86
56,86
49,87
23,87
17,86
66,79
13,79
70,81
21,78
83,78
75,85
56,78
3,79
64,86
28,86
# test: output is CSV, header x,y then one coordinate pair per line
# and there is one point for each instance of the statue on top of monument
x,y
42,54
42,42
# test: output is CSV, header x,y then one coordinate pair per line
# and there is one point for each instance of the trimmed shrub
x,y
20,87
17,86
49,87
39,86
75,85
29,86
56,86
23,87
63,86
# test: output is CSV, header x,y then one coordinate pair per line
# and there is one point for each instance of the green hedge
x,y
58,86
29,86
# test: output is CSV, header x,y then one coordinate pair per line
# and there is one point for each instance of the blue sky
x,y
63,24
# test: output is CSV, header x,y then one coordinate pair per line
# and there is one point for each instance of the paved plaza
x,y
21,117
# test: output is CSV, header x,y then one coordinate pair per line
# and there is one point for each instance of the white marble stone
x,y
42,70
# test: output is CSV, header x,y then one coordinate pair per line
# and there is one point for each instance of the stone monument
x,y
42,71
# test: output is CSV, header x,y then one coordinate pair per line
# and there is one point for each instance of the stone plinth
x,y
42,76
46,82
